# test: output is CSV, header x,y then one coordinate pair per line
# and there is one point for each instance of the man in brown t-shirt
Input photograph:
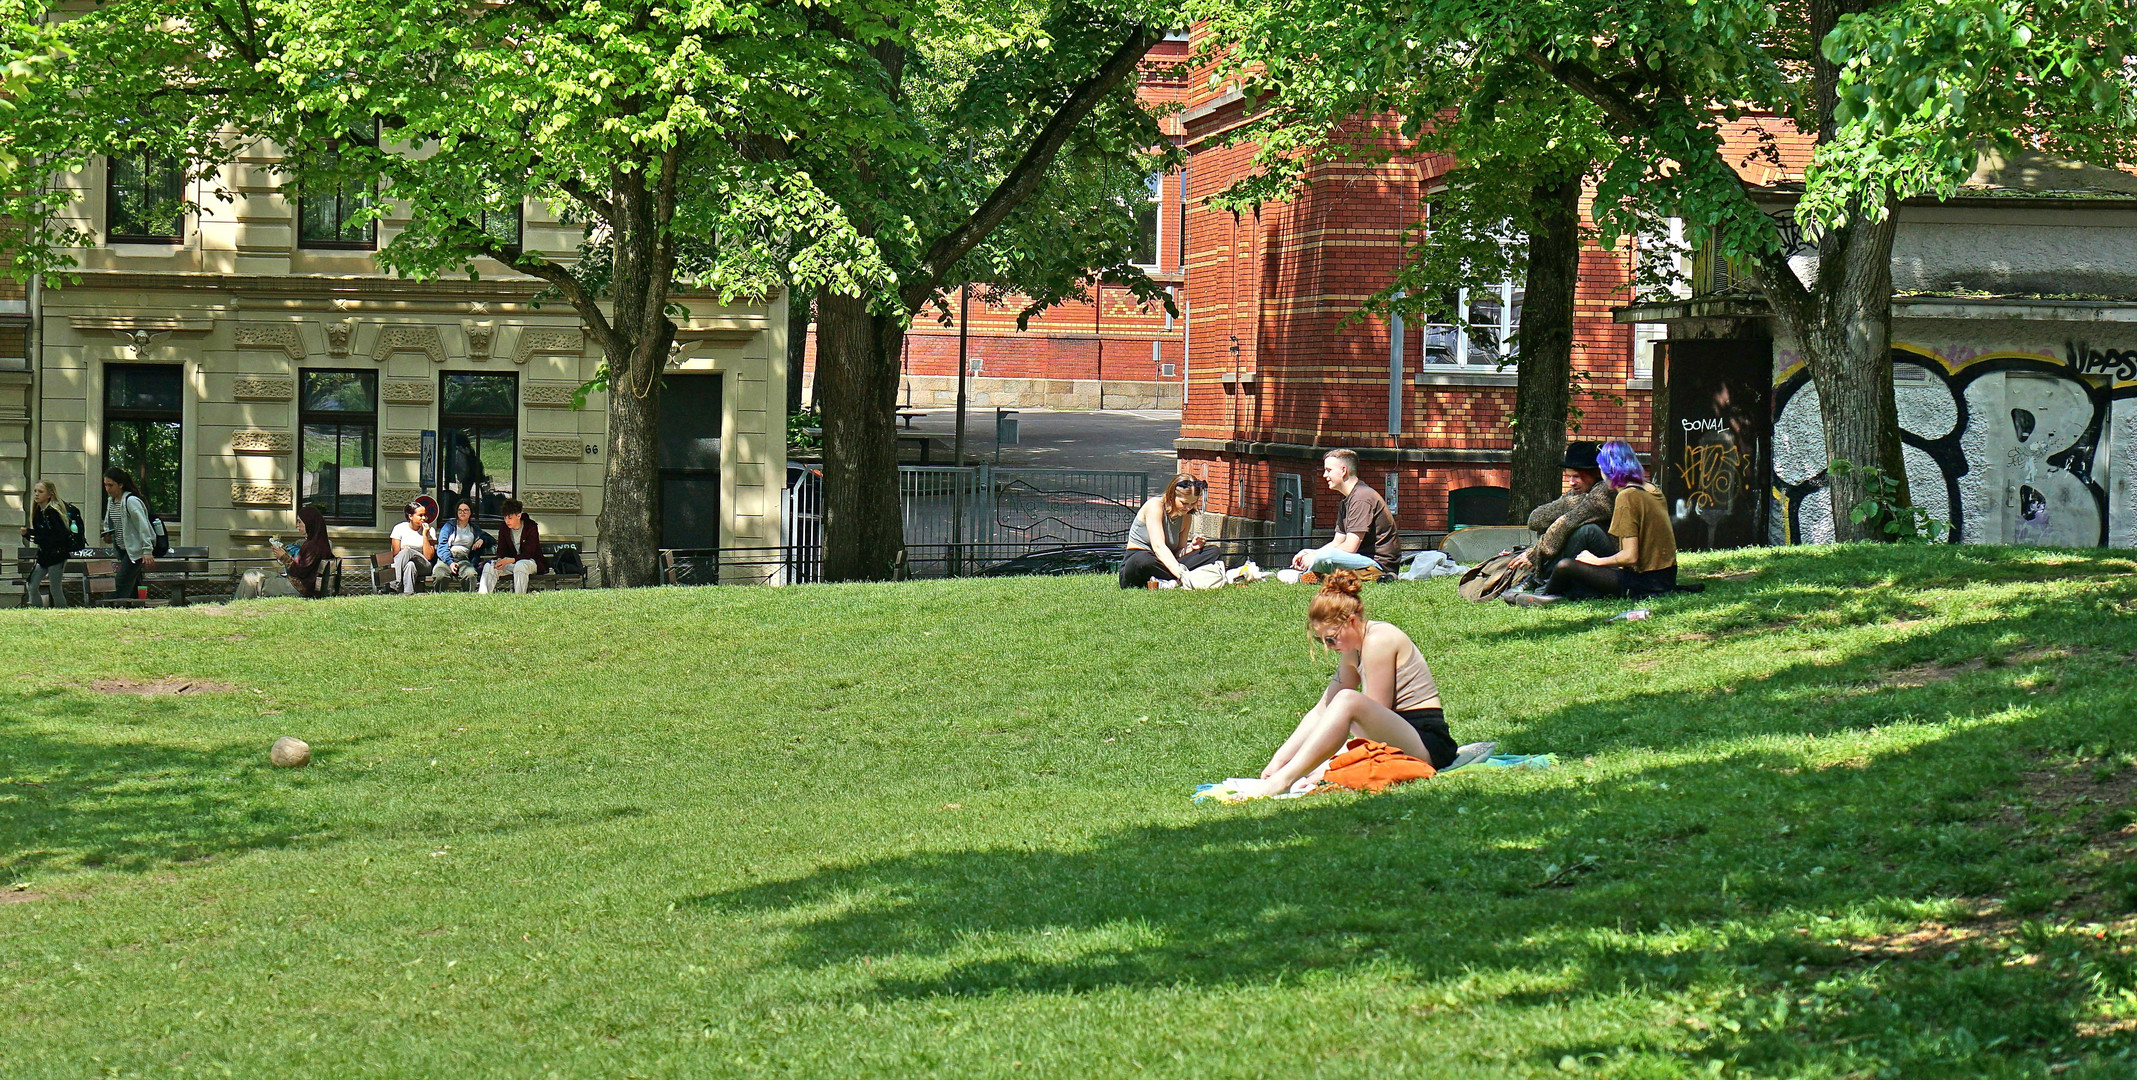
x,y
1365,530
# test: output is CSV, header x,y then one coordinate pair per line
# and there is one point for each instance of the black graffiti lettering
x,y
2120,363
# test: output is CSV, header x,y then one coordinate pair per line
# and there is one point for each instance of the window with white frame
x,y
1146,223
1661,269
1492,314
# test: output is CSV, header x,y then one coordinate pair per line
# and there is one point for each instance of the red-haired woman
x,y
1382,690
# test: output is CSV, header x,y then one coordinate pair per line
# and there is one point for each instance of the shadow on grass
x,y
1708,885
66,804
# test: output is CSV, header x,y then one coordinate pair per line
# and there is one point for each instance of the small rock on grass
x,y
290,753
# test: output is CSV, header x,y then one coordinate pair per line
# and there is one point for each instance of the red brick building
x,y
1111,352
1275,380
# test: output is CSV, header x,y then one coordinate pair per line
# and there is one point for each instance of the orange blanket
x,y
1365,765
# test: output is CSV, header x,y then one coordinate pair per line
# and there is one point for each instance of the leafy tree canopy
x,y
1919,87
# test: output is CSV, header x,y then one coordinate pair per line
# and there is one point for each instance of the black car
x,y
1067,560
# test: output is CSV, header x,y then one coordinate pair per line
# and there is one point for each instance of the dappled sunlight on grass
x,y
1797,829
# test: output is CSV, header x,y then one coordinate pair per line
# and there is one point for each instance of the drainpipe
x,y
1395,369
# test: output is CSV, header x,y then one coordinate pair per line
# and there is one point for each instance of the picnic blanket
x,y
1480,754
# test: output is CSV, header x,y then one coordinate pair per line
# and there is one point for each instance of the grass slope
x,y
1858,813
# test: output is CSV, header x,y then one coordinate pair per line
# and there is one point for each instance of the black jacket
x,y
52,535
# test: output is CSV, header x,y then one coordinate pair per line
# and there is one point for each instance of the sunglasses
x,y
1191,485
1332,641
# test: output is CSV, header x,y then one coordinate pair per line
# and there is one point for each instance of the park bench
x,y
382,574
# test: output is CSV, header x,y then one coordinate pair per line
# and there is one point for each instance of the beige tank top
x,y
1414,684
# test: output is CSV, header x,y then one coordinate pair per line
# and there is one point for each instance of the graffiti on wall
x,y
2006,448
1713,399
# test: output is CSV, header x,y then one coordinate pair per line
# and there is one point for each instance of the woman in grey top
x,y
1159,543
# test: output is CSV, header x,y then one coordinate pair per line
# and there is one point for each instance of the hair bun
x,y
1343,581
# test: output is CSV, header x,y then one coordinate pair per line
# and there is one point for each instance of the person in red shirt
x,y
519,550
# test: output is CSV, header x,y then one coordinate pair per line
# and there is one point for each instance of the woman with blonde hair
x,y
1382,690
1161,546
52,530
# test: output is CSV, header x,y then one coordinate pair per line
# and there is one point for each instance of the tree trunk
x,y
1847,342
1543,391
1844,324
630,488
857,386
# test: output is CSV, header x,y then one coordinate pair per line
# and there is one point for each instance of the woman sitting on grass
x,y
1382,691
1646,562
1159,548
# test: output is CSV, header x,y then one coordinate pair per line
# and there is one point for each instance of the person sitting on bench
x,y
303,564
519,550
1159,543
1646,562
461,545
1365,531
415,544
1576,521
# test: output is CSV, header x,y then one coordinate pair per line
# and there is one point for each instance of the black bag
x,y
163,537
566,561
1487,579
80,536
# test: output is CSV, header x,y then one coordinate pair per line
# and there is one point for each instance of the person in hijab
x,y
309,558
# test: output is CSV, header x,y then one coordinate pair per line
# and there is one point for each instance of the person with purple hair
x,y
1646,562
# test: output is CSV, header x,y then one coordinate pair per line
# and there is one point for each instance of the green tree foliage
x,y
1023,152
1900,96
647,124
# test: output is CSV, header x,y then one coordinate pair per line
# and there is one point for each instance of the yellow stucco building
x,y
250,356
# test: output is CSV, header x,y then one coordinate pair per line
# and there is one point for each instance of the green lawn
x,y
1848,813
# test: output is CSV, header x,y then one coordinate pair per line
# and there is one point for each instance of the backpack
x,y
78,535
1487,579
160,536
566,561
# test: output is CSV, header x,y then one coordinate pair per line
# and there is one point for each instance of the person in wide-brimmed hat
x,y
1578,520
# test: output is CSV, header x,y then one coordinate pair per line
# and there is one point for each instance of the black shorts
x,y
1431,725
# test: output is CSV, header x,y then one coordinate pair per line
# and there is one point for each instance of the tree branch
x,y
1030,170
534,265
242,45
1615,101
1771,270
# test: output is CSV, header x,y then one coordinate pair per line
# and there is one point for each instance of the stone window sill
x,y
1457,376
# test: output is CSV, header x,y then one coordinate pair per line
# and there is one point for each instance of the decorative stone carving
x,y
478,338
422,339
547,395
401,445
391,499
139,342
262,442
281,336
264,388
531,341
553,449
254,493
337,337
565,500
405,392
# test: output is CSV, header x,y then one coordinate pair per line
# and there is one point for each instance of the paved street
x,y
1127,441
